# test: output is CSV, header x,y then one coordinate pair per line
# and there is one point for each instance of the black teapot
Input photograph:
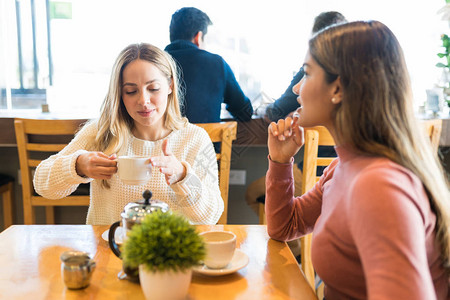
x,y
133,214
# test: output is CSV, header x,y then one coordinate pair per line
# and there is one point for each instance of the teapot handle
x,y
111,239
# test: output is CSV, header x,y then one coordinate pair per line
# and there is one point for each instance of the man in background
x,y
287,103
209,80
280,109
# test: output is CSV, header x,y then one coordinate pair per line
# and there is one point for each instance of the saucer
x,y
117,235
239,261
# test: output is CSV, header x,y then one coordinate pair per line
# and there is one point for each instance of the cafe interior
x,y
56,58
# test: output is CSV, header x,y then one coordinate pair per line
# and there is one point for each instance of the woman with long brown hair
x,y
380,212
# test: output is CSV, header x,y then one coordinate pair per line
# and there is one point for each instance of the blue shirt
x,y
208,82
287,103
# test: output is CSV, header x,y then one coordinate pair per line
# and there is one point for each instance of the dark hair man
x,y
209,80
287,103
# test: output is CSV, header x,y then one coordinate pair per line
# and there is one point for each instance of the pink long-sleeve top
x,y
373,228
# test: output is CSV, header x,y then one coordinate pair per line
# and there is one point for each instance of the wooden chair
x,y
433,129
314,137
7,193
225,133
36,140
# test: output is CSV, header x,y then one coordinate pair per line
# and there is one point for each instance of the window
x,y
61,52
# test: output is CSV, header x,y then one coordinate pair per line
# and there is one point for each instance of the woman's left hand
x,y
169,165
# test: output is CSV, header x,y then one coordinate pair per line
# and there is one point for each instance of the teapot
x,y
133,214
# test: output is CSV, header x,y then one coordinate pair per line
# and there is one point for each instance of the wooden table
x,y
31,268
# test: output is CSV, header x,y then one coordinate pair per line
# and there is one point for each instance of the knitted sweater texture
x,y
197,196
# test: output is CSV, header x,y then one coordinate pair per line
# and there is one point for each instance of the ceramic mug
x,y
220,246
134,170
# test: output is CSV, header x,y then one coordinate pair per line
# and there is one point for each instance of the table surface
x,y
31,268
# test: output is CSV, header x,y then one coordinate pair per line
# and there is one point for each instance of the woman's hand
x,y
285,139
96,165
169,165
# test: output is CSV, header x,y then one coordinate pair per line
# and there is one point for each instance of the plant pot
x,y
165,285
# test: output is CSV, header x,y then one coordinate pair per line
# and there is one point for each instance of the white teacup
x,y
134,170
220,246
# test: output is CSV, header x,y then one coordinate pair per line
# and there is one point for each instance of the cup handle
x,y
111,239
91,266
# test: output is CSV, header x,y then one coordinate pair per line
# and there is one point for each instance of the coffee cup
x,y
134,170
220,246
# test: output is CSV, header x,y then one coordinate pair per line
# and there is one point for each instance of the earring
x,y
333,100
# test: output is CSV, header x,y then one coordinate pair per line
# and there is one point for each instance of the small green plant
x,y
446,54
163,241
446,44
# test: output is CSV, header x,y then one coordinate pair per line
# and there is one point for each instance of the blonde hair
x,y
115,124
369,62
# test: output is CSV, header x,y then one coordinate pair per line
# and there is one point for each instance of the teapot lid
x,y
136,211
75,257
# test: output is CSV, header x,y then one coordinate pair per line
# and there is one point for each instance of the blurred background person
x,y
287,103
208,79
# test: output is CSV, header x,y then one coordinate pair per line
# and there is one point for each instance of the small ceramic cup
x,y
134,170
220,246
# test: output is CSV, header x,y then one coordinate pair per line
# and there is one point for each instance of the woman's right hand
x,y
96,165
285,139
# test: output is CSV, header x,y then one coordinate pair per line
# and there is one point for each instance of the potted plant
x,y
446,65
164,247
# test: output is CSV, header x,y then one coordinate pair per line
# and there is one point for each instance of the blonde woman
x,y
380,212
139,116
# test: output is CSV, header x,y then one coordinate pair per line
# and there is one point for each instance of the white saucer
x,y
117,235
239,261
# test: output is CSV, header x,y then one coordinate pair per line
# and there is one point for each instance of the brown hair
x,y
375,83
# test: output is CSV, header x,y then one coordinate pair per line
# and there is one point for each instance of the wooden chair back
x,y
7,197
314,137
225,133
433,129
37,140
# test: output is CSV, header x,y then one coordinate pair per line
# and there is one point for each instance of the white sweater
x,y
197,196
